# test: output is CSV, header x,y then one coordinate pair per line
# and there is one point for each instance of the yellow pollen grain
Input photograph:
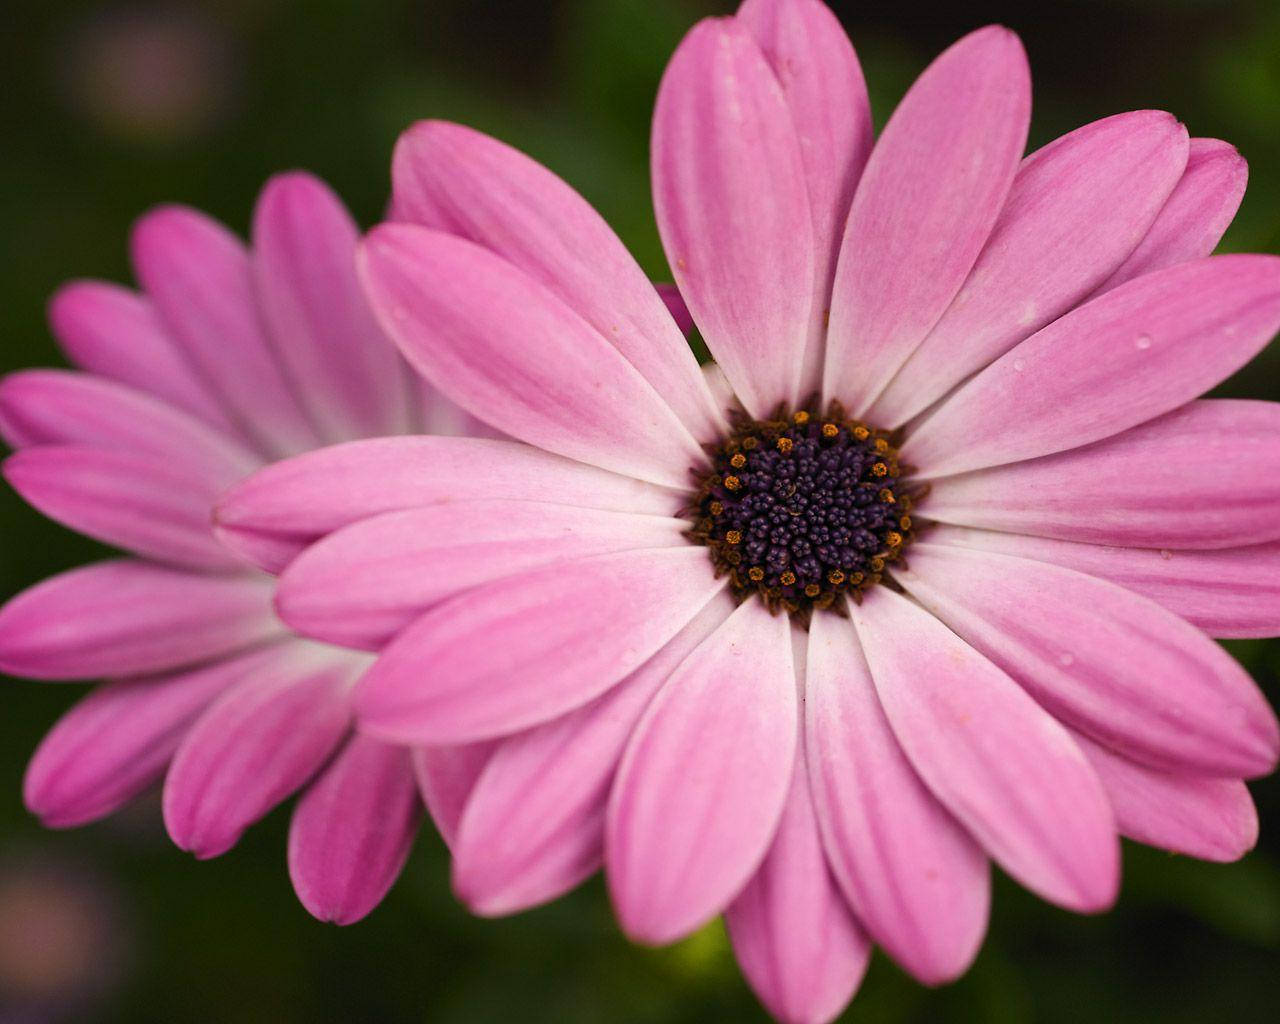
x,y
877,564
801,417
748,443
717,508
856,578
738,461
905,522
894,538
812,590
756,573
887,497
785,444
881,445
732,483
787,578
879,469
861,432
830,430
835,577
734,536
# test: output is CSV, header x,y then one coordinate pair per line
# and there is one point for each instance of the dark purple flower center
x,y
803,508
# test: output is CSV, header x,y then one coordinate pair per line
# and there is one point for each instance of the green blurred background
x,y
108,108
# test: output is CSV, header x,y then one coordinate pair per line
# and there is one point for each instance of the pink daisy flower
x,y
229,358
922,577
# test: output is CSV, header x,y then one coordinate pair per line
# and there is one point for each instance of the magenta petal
x,y
126,617
199,276
352,830
446,776
1010,773
1230,592
825,92
1128,356
457,180
143,503
1103,659
346,372
362,585
1151,486
115,333
792,932
118,740
1077,208
730,196
508,350
44,407
1195,217
925,205
1200,816
278,511
915,879
704,779
511,654
255,745
534,824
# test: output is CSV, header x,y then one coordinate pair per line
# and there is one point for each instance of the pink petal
x,y
1140,350
1194,219
925,205
118,740
352,830
446,776
506,349
1010,773
1077,208
255,745
825,92
534,825
127,617
731,200
199,276
511,654
462,182
114,332
794,937
143,503
274,514
362,585
1213,819
1103,659
64,407
1231,592
346,371
1204,476
675,304
701,787
915,879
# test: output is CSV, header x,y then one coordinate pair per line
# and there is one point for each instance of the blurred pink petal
x,y
352,830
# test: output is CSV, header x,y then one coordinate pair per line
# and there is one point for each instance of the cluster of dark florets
x,y
803,508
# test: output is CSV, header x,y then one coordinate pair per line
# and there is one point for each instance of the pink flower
x,y
228,359
674,633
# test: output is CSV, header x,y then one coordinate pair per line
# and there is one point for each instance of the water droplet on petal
x,y
1166,554
1066,658
1019,365
1142,341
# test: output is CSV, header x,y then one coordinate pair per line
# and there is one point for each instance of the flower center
x,y
803,508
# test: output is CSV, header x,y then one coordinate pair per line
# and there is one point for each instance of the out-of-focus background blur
x,y
110,107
